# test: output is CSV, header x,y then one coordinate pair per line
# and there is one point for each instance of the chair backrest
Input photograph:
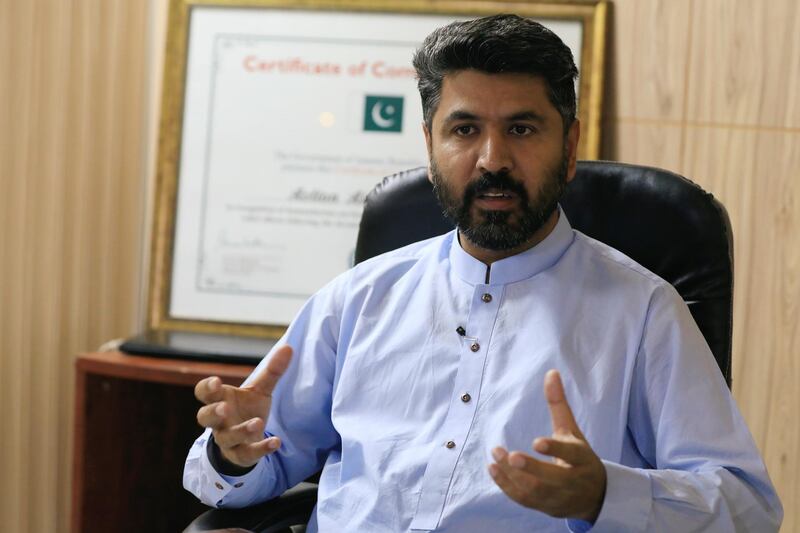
x,y
660,219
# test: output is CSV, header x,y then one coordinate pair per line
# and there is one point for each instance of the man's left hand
x,y
573,485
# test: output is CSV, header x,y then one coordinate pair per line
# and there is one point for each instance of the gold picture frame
x,y
587,16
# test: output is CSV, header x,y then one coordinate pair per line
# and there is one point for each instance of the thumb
x,y
266,380
560,412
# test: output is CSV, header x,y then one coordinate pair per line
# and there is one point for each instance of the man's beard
x,y
497,230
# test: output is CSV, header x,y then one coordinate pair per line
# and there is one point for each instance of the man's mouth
x,y
494,200
496,195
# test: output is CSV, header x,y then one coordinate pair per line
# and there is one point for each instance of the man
x,y
420,380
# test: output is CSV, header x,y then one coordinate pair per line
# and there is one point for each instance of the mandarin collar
x,y
517,267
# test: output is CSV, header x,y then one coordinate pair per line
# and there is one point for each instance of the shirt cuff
x,y
578,526
225,488
627,502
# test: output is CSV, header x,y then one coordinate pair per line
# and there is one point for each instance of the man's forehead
x,y
503,94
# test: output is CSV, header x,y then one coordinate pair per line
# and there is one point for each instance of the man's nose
x,y
495,155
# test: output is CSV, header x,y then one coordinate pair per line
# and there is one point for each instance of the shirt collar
x,y
517,267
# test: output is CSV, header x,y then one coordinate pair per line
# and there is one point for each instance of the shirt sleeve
x,y
299,415
707,474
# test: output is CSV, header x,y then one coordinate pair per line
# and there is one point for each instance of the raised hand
x,y
237,415
573,485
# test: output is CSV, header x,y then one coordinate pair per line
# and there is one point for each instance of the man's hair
x,y
494,45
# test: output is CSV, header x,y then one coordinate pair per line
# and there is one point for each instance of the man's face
x,y
499,160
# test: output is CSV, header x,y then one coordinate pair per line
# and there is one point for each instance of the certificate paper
x,y
290,118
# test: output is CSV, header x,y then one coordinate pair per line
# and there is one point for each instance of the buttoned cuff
x,y
220,485
627,502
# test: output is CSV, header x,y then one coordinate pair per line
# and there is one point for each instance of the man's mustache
x,y
498,181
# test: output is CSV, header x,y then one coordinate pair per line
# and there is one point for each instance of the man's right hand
x,y
237,416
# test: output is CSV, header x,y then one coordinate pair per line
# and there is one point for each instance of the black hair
x,y
494,45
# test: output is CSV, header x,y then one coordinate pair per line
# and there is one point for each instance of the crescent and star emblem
x,y
378,118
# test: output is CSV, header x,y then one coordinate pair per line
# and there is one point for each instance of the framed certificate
x,y
278,117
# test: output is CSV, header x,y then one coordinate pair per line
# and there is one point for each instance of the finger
x,y
208,390
212,415
569,449
266,380
560,412
506,484
526,470
250,453
247,432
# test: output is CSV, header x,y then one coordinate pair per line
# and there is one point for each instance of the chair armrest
x,y
292,508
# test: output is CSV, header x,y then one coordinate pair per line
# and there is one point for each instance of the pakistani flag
x,y
383,113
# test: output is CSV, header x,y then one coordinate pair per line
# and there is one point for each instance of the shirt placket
x,y
452,435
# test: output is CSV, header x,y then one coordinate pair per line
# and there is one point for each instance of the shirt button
x,y
475,347
238,484
465,397
219,485
486,297
450,444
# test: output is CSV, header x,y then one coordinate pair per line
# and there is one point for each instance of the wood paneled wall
x,y
710,89
72,124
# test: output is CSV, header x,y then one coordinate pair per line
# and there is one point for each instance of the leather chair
x,y
660,219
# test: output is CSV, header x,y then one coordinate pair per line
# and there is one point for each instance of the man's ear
x,y
572,138
429,146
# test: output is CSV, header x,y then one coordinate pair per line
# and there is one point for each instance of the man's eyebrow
x,y
460,115
530,116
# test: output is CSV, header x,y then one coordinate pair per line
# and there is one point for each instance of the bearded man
x,y
511,375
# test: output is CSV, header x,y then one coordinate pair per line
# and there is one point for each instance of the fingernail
x,y
540,445
273,444
516,461
493,470
499,454
213,385
252,425
220,410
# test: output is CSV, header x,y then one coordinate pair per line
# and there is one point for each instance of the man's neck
x,y
488,256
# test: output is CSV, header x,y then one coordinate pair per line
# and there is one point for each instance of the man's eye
x,y
520,129
464,130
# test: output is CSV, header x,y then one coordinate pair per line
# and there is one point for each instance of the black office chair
x,y
662,220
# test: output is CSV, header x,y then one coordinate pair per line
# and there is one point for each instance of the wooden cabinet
x,y
134,423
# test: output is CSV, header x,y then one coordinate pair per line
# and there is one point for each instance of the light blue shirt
x,y
378,383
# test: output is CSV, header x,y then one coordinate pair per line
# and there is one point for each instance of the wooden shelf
x,y
134,423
